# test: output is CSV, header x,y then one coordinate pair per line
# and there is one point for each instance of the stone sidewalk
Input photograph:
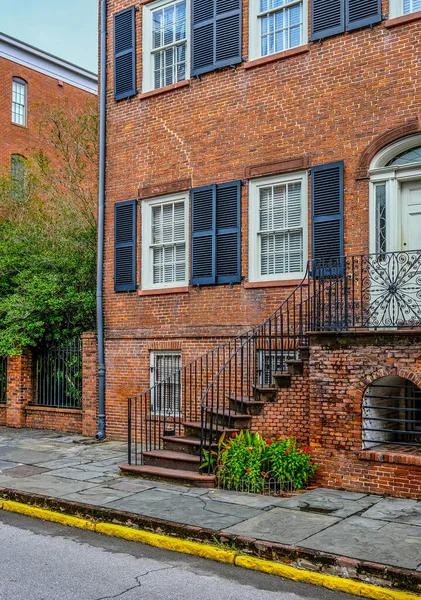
x,y
385,531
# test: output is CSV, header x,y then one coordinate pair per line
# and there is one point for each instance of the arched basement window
x,y
392,413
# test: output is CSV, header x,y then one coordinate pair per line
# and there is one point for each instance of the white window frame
x,y
20,82
147,261
392,177
153,382
254,27
396,9
148,83
254,244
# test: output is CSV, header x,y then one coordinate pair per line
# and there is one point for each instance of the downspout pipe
x,y
100,435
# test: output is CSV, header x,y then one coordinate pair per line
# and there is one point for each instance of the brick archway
x,y
383,140
368,380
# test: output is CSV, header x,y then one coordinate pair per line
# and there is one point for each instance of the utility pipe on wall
x,y
101,204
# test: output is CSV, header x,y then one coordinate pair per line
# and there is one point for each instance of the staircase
x,y
177,457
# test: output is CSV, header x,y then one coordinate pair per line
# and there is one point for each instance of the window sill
x,y
19,125
159,292
277,56
399,456
52,409
266,284
416,16
165,89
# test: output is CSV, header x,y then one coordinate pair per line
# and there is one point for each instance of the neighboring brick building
x,y
31,82
243,138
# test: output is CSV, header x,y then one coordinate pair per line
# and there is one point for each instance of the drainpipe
x,y
100,435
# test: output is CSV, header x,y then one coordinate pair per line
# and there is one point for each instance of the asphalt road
x,y
46,561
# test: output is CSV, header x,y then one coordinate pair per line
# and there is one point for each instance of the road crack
x,y
138,583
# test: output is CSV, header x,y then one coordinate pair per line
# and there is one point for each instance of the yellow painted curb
x,y
47,515
166,542
206,551
329,581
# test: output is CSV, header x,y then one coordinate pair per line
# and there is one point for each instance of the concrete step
x,y
182,443
169,459
282,380
229,418
295,367
169,475
192,429
265,393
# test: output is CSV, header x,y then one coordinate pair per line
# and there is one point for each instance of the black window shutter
x,y
228,237
216,34
203,243
125,54
125,246
327,185
327,18
360,13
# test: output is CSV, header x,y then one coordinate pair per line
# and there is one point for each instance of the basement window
x,y
392,414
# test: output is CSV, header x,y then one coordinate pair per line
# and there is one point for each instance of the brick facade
x,y
341,100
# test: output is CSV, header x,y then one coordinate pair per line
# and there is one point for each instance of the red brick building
x,y
31,81
244,138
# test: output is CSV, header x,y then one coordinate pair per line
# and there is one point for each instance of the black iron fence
x,y
3,379
354,293
58,376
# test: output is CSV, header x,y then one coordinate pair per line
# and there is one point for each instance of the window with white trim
x,y
165,43
278,228
164,242
276,25
398,8
166,383
19,93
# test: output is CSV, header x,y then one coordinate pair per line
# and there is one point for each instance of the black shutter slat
x,y
124,54
203,236
216,34
327,217
228,234
360,13
327,18
125,246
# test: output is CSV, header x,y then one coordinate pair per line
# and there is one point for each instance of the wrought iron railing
x,y
3,379
58,376
352,293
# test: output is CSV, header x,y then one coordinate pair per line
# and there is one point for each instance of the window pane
x,y
168,237
18,102
381,218
281,29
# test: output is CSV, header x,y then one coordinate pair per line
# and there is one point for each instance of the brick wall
x,y
341,368
44,92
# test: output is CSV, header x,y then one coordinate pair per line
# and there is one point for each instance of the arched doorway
x,y
392,413
395,197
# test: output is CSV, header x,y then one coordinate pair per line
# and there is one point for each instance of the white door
x,y
411,215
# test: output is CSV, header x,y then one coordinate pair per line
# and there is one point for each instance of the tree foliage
x,y
48,235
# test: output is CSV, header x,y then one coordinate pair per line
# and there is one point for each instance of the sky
x,y
65,28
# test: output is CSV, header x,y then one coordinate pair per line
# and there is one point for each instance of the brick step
x,y
172,460
229,418
303,352
295,367
168,475
247,405
183,443
282,380
192,428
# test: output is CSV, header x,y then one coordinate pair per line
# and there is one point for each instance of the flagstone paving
x,y
71,467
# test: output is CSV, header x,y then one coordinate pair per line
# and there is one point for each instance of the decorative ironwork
x,y
265,485
3,379
58,376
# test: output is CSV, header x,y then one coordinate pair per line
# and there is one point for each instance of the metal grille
x,y
59,376
3,379
165,369
392,413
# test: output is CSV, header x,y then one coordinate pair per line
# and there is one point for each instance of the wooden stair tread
x,y
166,473
169,454
181,439
227,413
197,424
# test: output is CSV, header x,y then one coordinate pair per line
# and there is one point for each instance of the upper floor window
x,y
399,8
19,98
276,25
278,233
164,234
165,43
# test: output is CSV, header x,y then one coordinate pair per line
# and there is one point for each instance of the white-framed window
x,y
166,382
398,8
164,242
19,101
278,227
166,54
273,361
276,25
